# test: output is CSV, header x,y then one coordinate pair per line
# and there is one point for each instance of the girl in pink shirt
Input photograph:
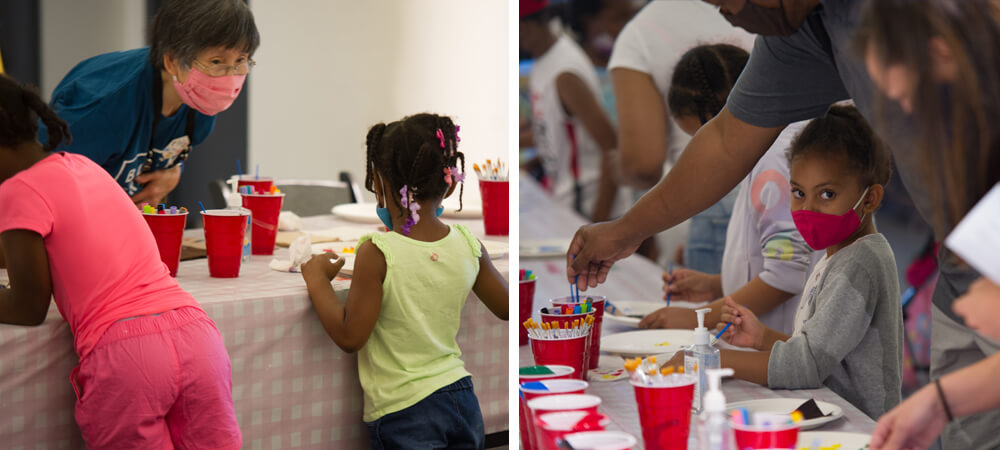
x,y
153,370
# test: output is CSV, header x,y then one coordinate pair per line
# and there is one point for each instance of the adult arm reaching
x,y
717,158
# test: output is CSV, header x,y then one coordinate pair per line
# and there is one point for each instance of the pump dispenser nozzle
x,y
701,333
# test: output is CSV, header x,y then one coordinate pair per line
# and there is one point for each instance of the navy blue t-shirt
x,y
108,102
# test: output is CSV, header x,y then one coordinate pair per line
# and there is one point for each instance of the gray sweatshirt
x,y
852,340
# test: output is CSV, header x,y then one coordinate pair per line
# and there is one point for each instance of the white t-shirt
x,y
762,240
569,154
656,38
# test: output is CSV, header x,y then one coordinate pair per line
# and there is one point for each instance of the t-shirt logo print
x,y
161,159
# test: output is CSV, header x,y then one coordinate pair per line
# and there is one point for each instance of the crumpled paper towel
x,y
289,221
299,252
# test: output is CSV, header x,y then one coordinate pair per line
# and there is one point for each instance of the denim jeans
x,y
707,236
448,418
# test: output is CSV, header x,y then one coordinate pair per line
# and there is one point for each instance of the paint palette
x,y
786,406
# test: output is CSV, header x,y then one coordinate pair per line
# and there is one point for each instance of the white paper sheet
x,y
977,237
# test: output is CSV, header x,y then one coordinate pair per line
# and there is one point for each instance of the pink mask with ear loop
x,y
207,94
823,230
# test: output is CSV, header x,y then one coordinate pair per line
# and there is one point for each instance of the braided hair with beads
x,y
703,78
418,157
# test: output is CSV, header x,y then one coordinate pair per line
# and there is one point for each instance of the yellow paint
x,y
663,344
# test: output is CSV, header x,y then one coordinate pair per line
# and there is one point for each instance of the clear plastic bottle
x,y
714,432
700,357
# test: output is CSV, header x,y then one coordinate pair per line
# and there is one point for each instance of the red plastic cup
x,y
168,230
549,387
601,440
595,340
665,412
556,403
765,437
558,372
265,208
260,184
525,298
572,352
224,233
554,426
496,201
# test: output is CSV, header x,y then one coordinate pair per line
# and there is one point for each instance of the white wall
x,y
329,70
74,30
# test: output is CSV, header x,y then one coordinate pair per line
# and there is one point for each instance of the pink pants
x,y
158,382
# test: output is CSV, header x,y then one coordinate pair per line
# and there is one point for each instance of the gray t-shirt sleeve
x,y
842,317
788,79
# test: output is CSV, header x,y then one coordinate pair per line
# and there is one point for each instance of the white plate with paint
x,y
628,311
833,440
787,405
543,248
647,342
357,212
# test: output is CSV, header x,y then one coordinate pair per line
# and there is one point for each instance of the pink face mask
x,y
209,95
823,230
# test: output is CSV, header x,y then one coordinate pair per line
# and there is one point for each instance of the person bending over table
x,y
138,113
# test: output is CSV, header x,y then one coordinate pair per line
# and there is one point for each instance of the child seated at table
x,y
766,261
407,292
848,328
153,370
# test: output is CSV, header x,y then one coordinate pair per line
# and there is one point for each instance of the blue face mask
x,y
386,218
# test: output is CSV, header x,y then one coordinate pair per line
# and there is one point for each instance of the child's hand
x,y
746,331
979,307
690,285
322,266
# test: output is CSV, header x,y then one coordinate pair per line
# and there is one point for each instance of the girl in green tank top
x,y
407,292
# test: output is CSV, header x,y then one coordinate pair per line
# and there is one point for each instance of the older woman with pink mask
x,y
138,113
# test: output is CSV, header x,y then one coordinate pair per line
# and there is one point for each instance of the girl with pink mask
x,y
138,113
848,328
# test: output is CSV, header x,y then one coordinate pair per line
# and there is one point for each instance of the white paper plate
x,y
629,308
543,248
357,212
828,440
787,405
647,342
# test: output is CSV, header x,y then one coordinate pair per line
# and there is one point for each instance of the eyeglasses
x,y
221,70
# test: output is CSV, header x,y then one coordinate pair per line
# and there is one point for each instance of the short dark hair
x,y
409,153
703,78
182,28
844,132
20,110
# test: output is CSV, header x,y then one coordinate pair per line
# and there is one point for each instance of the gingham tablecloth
x,y
635,279
292,386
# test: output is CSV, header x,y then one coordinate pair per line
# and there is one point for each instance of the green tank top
x,y
412,351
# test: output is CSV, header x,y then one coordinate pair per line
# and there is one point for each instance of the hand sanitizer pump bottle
x,y
700,357
714,432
